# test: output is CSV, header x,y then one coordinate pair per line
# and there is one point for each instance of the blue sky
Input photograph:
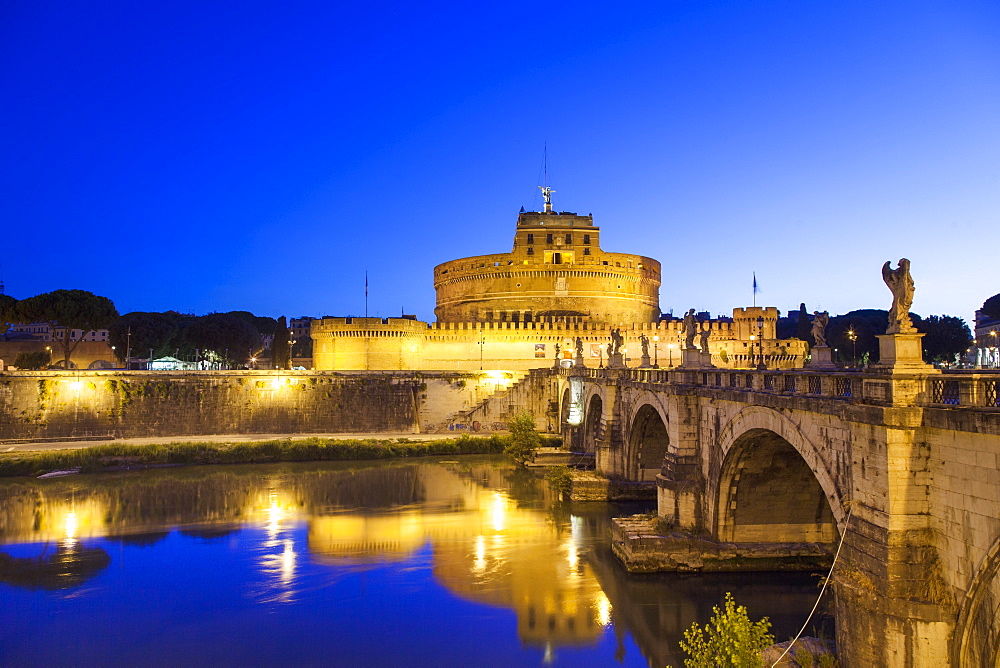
x,y
263,156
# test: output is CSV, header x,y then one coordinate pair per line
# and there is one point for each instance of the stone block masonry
x,y
53,405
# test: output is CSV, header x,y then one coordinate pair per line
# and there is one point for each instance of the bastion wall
x,y
54,405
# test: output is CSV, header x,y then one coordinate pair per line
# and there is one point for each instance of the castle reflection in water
x,y
495,535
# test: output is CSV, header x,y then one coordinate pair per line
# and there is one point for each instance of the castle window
x,y
531,238
548,238
586,238
569,238
531,250
586,251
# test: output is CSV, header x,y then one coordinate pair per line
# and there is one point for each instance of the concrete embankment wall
x,y
46,405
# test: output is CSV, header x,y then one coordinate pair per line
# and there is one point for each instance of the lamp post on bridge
x,y
656,351
854,347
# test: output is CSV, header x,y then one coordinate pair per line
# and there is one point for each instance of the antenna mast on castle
x,y
546,190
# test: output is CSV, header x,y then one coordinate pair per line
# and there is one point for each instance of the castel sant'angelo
x,y
555,295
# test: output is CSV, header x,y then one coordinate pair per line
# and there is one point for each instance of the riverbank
x,y
118,456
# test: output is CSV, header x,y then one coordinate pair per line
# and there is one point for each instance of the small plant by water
x,y
730,639
560,480
524,439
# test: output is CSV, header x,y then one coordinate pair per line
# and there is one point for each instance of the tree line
x,y
231,339
946,338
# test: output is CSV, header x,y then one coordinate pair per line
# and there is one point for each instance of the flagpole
x,y
366,294
755,289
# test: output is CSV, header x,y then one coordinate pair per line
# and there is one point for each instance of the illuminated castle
x,y
527,309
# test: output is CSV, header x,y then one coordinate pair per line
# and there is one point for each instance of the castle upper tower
x,y
556,268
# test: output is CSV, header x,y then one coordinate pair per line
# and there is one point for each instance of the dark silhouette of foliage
x,y
8,310
280,354
866,324
228,336
803,325
946,337
38,359
69,309
160,332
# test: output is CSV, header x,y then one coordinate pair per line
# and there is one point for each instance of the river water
x,y
464,562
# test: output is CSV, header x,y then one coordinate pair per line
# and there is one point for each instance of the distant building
x,y
42,331
987,337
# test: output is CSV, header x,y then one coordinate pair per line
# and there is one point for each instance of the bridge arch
x,y
977,634
648,439
774,485
594,421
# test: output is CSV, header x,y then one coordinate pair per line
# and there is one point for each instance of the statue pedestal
x,y
644,362
578,361
691,358
615,361
706,360
822,359
902,353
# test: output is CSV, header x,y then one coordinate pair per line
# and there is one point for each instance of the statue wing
x,y
887,273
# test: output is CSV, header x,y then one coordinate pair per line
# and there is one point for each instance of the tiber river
x,y
464,563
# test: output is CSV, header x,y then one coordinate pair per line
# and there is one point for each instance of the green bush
x,y
523,440
560,480
32,361
729,639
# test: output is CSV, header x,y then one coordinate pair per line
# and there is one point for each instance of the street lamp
x,y
854,347
760,340
482,343
670,355
656,351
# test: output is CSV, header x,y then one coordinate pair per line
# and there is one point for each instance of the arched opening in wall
x,y
593,429
978,630
768,494
648,443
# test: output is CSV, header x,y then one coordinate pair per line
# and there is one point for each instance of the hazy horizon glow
x,y
205,158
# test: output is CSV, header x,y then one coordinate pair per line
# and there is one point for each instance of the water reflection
x,y
489,534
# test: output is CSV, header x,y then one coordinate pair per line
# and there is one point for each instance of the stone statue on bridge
x,y
704,335
690,329
819,323
579,347
901,284
616,342
644,343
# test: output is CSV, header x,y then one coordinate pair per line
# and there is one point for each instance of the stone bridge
x,y
902,465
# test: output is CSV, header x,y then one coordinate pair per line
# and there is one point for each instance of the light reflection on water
x,y
399,564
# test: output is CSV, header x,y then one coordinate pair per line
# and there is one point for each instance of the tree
x,y
227,336
524,439
8,310
34,360
946,337
66,310
729,639
280,354
866,324
803,325
142,332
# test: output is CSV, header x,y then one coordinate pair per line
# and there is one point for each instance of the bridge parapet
x,y
968,390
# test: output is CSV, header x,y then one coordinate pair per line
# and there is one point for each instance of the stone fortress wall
x,y
60,405
509,311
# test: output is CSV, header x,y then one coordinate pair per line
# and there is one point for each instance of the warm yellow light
x,y
75,385
71,525
498,512
276,384
603,606
656,338
479,562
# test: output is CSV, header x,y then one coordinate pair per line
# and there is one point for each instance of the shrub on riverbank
x,y
115,456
